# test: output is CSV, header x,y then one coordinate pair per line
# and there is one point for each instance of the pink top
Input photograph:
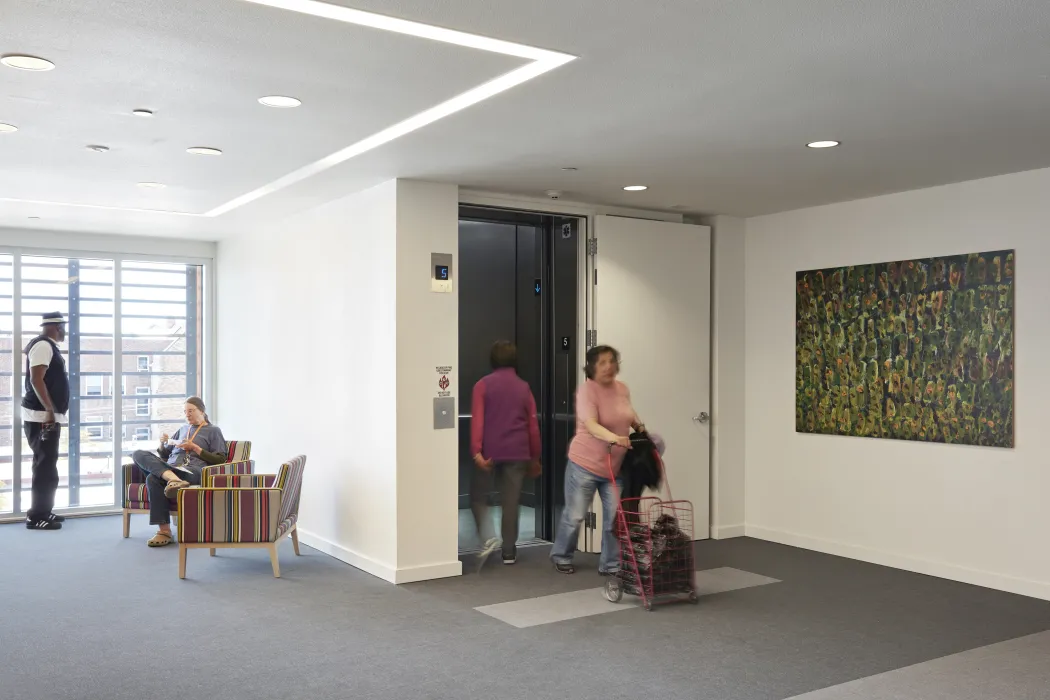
x,y
611,407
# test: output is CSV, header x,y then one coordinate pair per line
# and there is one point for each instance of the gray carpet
x,y
89,615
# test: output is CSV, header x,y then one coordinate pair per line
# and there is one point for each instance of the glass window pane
x,y
161,314
86,465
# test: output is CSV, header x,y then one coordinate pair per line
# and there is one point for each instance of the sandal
x,y
161,539
564,568
173,487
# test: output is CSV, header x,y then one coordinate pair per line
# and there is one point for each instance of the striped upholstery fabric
x,y
136,497
286,525
209,474
290,481
242,508
228,515
238,450
242,481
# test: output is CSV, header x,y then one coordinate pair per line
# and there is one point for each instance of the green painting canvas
x,y
909,350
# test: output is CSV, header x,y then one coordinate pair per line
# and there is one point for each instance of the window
x,y
142,405
93,385
95,429
133,379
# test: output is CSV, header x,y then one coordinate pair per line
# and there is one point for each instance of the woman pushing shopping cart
x,y
604,420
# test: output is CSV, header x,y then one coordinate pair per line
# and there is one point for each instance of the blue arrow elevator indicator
x,y
536,287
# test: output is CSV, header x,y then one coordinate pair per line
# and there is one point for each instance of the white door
x,y
652,302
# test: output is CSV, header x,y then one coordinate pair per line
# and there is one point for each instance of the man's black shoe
x,y
48,523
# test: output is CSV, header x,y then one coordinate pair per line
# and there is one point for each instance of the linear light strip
x,y
404,26
456,104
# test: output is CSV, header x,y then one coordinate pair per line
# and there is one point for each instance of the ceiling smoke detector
x,y
98,149
553,194
145,113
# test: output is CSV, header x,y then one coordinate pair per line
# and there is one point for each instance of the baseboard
x,y
429,572
358,561
953,572
378,569
725,532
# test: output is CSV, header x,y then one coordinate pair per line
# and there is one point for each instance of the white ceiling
x,y
708,102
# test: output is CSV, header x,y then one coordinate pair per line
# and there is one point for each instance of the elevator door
x,y
518,282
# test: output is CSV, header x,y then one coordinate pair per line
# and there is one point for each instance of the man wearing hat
x,y
44,409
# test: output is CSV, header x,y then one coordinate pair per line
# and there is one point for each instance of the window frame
x,y
206,360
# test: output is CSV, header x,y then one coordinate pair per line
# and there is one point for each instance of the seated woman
x,y
195,445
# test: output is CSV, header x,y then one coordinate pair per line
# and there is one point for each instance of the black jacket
x,y
641,467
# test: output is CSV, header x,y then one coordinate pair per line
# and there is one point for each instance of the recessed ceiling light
x,y
204,151
823,144
151,185
635,188
280,101
142,112
8,128
98,149
31,63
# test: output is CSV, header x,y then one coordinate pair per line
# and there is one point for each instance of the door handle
x,y
703,417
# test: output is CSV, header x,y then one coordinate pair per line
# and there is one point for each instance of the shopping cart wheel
x,y
613,591
649,605
693,597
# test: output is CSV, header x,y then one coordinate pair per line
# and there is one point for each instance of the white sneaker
x,y
491,546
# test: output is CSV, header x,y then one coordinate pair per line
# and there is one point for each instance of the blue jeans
x,y
580,486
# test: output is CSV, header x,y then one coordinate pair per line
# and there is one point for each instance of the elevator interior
x,y
519,281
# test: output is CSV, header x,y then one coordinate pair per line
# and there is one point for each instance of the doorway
x,y
519,281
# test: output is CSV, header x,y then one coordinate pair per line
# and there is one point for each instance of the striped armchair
x,y
136,497
242,510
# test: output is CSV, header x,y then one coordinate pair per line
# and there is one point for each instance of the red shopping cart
x,y
656,547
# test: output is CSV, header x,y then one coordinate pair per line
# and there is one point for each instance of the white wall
x,y
972,514
307,365
329,336
727,376
427,337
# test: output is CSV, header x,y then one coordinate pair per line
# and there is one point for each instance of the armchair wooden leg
x,y
273,560
183,550
295,540
212,550
127,524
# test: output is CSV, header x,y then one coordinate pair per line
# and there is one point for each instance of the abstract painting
x,y
908,350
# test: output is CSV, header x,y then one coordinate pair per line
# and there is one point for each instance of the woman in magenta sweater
x,y
604,418
505,442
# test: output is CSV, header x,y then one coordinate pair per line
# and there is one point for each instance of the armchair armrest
x,y
242,481
133,475
228,515
245,467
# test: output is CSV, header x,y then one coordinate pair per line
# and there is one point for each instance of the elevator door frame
x,y
555,364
